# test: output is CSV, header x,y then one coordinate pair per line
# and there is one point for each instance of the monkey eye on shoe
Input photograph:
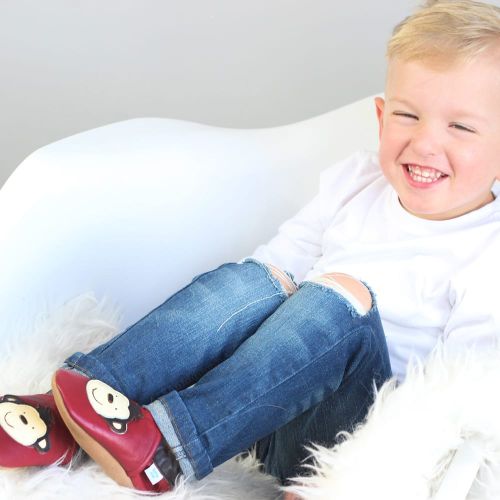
x,y
116,432
32,432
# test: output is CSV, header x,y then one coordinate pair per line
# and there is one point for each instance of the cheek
x,y
470,165
391,142
387,158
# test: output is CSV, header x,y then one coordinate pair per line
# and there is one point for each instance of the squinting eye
x,y
458,126
404,115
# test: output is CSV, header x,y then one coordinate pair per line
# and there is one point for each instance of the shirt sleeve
x,y
298,244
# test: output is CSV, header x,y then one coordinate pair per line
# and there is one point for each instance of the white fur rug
x,y
404,449
402,452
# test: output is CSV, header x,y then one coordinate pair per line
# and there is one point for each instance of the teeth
x,y
426,175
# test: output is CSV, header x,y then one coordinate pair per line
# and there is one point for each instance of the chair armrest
x,y
462,471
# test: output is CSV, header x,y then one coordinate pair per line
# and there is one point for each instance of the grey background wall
x,y
71,65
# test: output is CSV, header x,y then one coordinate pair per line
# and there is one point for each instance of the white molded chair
x,y
135,209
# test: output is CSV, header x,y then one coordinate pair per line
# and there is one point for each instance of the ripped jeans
x,y
232,360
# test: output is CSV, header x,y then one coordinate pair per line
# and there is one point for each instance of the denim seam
x,y
245,306
345,337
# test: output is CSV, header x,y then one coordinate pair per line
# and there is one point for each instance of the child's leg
x,y
284,452
170,348
190,333
300,356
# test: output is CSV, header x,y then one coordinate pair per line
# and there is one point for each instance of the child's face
x,y
440,135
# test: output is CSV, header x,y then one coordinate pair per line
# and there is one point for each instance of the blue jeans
x,y
231,360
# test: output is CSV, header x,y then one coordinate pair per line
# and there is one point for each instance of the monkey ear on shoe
x,y
32,432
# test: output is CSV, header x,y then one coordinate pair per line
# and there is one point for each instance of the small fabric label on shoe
x,y
154,475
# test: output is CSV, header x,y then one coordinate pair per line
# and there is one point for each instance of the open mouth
x,y
423,176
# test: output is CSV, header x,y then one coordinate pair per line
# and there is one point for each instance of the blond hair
x,y
446,31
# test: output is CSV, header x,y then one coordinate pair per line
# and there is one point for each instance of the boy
x,y
243,355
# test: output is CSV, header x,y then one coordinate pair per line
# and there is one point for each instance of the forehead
x,y
481,71
474,83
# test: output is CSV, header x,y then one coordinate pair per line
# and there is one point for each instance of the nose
x,y
425,140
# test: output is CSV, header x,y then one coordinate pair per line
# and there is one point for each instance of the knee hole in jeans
x,y
351,288
283,278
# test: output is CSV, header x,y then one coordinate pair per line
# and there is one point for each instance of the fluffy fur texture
x,y
404,448
401,452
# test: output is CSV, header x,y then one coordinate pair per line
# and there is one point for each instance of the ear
x,y
379,107
9,398
118,427
42,445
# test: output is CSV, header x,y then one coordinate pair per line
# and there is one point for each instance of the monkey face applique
x,y
24,423
116,409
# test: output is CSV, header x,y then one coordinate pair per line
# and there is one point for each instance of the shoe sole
x,y
95,450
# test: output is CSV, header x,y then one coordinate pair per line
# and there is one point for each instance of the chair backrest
x,y
133,210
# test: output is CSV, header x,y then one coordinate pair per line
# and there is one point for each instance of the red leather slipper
x,y
32,432
116,432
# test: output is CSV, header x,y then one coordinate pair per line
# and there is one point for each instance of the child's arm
x,y
298,244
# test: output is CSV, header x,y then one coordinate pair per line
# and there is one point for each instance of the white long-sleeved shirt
x,y
432,279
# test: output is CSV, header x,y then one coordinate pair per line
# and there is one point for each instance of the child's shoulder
x,y
357,170
356,177
362,161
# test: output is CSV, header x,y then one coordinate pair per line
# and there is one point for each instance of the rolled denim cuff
x,y
191,454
